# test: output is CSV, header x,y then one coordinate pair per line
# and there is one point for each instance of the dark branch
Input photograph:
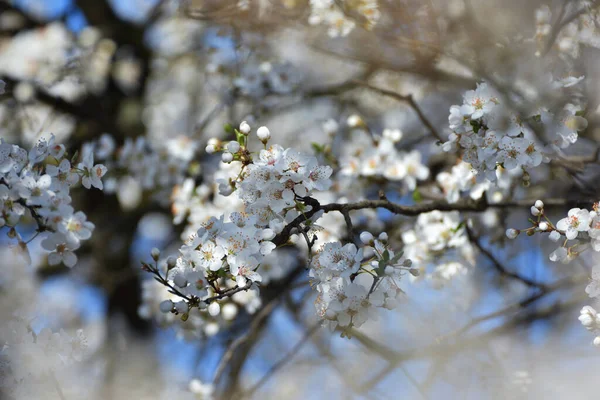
x,y
498,265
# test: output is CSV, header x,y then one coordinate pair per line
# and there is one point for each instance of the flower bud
x,y
180,281
227,158
543,226
539,204
166,306
554,236
244,128
182,307
512,233
383,237
263,134
366,237
210,149
268,234
233,147
155,253
171,262
587,320
535,211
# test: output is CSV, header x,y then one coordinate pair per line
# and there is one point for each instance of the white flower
x,y
76,227
61,249
91,174
561,254
243,269
210,256
63,176
593,288
415,170
35,190
479,102
578,220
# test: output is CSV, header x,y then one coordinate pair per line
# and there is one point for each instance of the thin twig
x,y
256,321
406,99
498,265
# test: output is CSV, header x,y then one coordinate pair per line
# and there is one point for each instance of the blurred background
x,y
158,78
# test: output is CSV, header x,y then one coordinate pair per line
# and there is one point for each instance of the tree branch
x,y
498,265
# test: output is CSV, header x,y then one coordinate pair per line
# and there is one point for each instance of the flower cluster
x,y
591,321
39,181
381,158
271,186
488,134
140,166
461,180
578,231
167,308
437,234
232,248
340,16
196,204
338,270
589,316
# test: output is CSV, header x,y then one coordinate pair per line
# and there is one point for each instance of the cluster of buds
x,y
581,226
237,150
541,223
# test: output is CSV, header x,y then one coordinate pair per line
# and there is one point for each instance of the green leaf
x,y
417,197
318,148
459,227
381,267
397,256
